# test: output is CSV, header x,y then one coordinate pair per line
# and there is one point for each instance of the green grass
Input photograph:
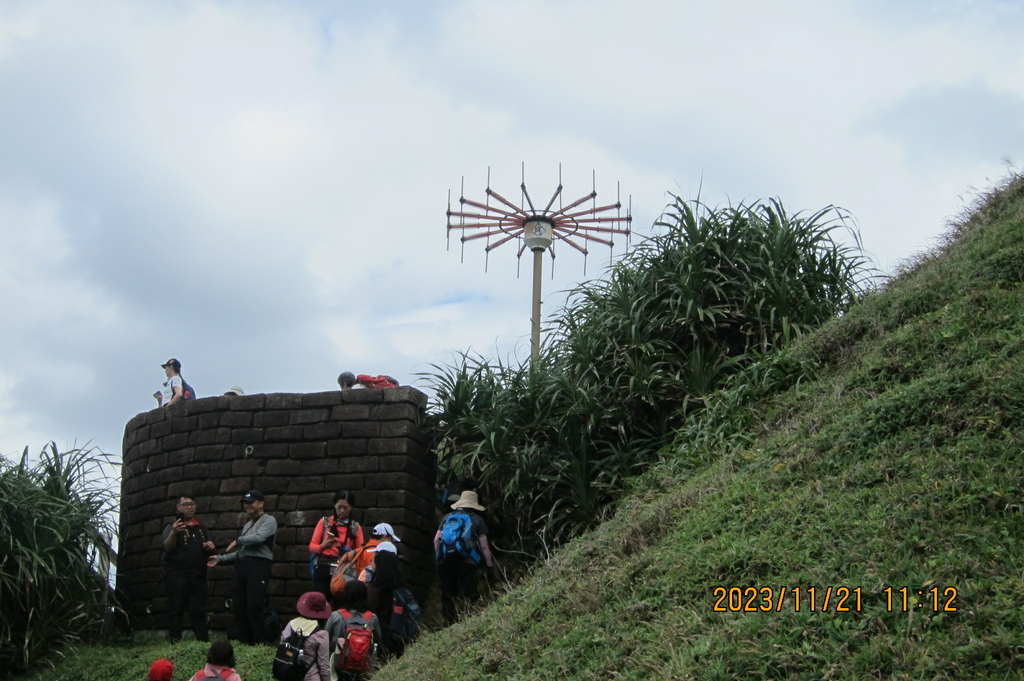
x,y
883,450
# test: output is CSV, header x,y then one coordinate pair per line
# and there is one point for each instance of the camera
x,y
179,516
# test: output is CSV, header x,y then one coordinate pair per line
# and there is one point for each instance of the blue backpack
x,y
457,541
187,391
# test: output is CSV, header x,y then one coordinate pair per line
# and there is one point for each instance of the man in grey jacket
x,y
253,556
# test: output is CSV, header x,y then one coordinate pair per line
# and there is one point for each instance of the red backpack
x,y
355,646
376,381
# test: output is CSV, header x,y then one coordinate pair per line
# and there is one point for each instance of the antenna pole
x,y
538,262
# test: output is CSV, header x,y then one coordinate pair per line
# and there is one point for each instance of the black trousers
x,y
322,581
184,592
249,598
457,580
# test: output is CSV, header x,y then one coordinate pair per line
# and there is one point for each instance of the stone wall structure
x,y
298,449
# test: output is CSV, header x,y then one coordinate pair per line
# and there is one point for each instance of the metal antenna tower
x,y
539,229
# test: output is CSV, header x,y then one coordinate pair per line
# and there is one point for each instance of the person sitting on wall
x,y
187,546
253,555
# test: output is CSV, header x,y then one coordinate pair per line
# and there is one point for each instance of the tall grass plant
x,y
56,528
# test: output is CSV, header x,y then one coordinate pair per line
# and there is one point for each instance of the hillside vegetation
x,y
891,461
879,451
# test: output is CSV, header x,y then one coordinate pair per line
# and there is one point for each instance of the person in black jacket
x,y
187,545
458,562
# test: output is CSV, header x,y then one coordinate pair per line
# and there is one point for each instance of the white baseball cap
x,y
385,530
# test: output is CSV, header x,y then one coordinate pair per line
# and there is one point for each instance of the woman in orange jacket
x,y
333,536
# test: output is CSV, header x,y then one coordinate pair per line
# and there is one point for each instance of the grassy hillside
x,y
894,464
880,452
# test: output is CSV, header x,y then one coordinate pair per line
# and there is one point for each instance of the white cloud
x,y
259,189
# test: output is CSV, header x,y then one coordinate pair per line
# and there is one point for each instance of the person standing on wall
x,y
252,554
187,545
174,387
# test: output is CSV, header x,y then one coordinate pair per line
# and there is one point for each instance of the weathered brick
x,y
284,433
209,421
167,476
356,464
202,436
246,435
283,401
406,394
349,481
362,396
304,416
392,446
155,416
160,429
361,429
325,399
269,484
247,467
392,481
403,464
236,419
270,418
267,451
203,405
319,501
404,429
220,469
351,412
321,431
287,502
180,457
394,412
339,448
239,485
244,402
184,425
289,467
306,485
307,450
318,466
209,453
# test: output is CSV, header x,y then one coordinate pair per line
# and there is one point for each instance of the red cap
x,y
162,669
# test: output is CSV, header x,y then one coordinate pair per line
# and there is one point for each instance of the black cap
x,y
252,495
171,363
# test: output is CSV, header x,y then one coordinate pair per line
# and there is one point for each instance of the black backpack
x,y
405,615
289,661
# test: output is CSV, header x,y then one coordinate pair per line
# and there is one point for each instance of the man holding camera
x,y
252,553
187,545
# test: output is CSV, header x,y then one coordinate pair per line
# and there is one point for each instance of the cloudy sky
x,y
259,187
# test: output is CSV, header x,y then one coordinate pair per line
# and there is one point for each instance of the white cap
x,y
384,546
385,530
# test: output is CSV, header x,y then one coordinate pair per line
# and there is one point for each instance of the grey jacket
x,y
256,541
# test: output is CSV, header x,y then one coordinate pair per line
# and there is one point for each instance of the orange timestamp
x,y
829,599
774,599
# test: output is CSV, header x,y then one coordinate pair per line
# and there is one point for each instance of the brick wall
x,y
298,450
